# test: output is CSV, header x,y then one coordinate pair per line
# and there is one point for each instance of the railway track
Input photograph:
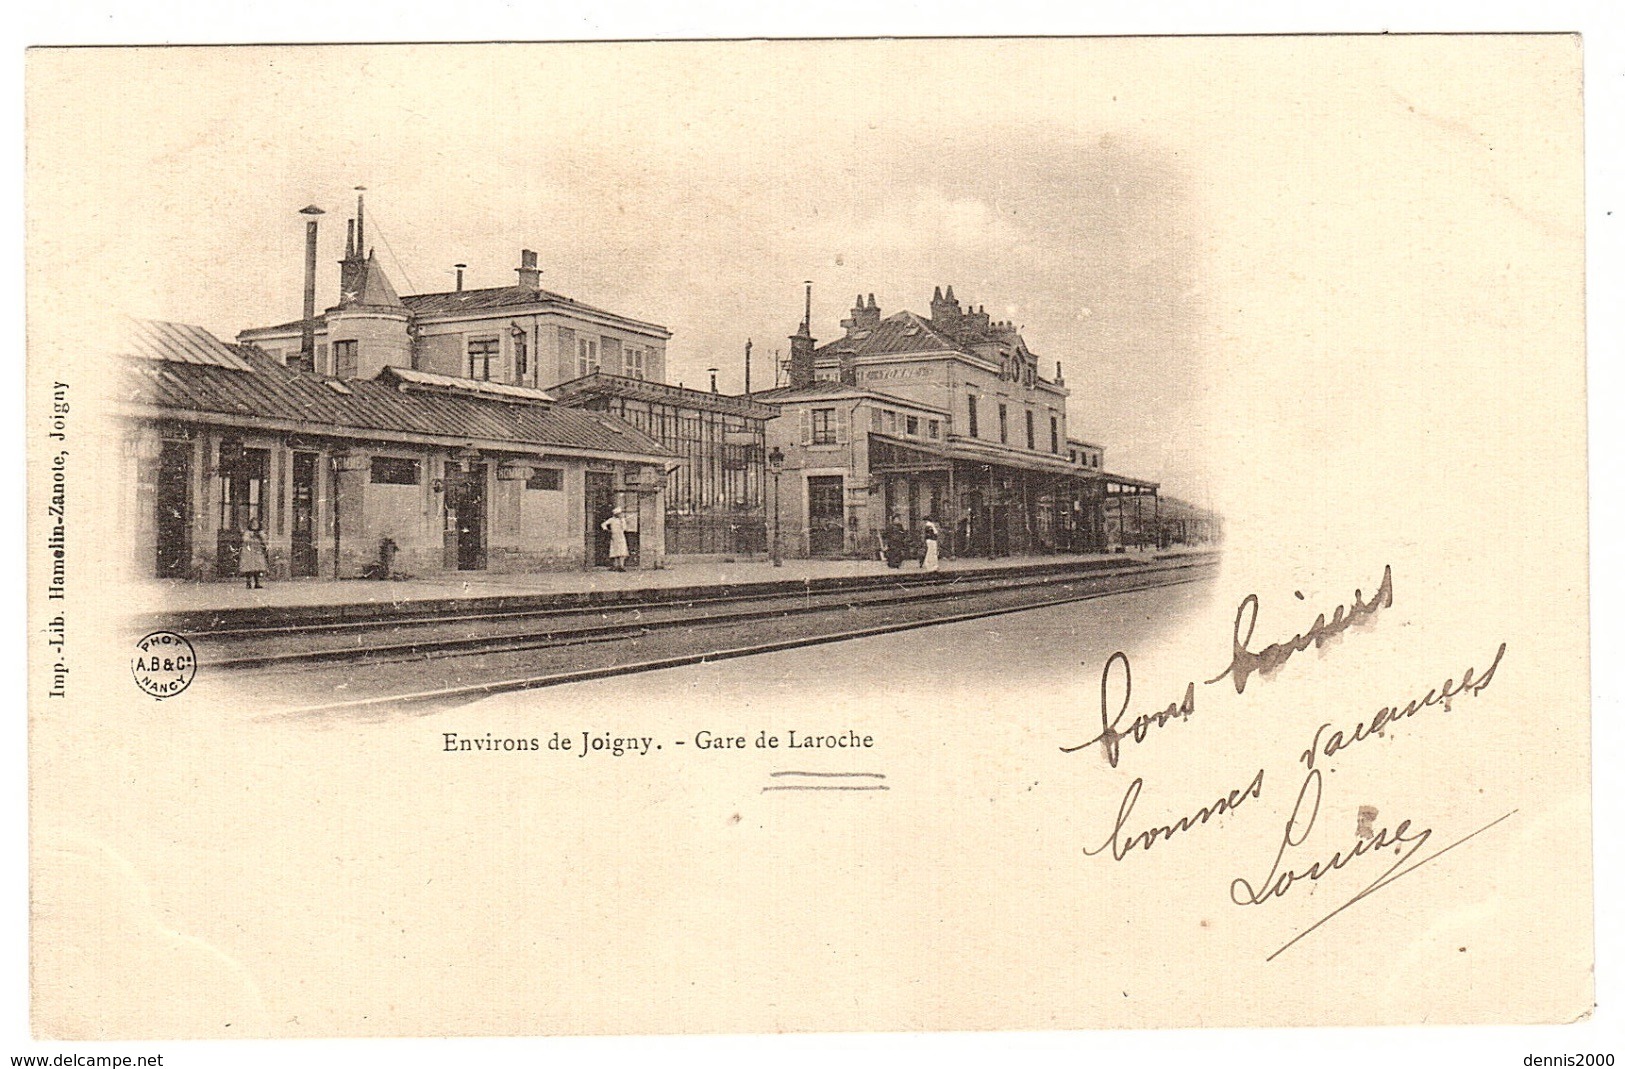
x,y
450,659
479,632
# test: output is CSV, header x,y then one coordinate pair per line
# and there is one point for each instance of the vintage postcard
x,y
807,536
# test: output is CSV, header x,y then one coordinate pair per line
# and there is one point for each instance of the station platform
x,y
179,601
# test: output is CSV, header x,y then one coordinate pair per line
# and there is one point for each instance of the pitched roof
x,y
181,342
375,289
823,390
392,404
900,332
498,298
600,385
408,378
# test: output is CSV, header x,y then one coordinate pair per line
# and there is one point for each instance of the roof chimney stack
x,y
352,269
945,311
864,316
307,329
801,348
530,276
460,269
361,222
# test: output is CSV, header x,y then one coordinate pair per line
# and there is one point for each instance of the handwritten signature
x,y
1405,841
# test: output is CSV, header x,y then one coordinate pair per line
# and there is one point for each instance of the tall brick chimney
x,y
801,348
945,311
864,317
530,276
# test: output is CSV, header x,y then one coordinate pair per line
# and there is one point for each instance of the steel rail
x,y
743,591
469,645
474,690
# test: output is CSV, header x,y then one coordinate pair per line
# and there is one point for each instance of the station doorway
x,y
464,547
826,515
600,502
174,511
302,559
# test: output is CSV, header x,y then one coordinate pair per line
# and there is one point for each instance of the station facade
x,y
529,337
908,417
402,473
715,494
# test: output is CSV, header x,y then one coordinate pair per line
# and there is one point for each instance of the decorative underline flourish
x,y
828,786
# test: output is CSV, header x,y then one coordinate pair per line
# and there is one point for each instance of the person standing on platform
x,y
616,526
256,559
928,562
895,537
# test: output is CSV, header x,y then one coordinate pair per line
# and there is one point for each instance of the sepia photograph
x,y
842,535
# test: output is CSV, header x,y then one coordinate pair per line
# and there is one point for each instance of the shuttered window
x,y
823,426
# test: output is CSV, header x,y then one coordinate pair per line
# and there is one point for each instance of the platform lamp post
x,y
775,464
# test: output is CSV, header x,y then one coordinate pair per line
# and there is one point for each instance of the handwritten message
x,y
1379,854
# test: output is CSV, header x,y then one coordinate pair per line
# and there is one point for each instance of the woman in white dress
x,y
616,526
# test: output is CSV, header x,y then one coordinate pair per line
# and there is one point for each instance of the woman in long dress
x,y
255,560
894,538
616,526
932,537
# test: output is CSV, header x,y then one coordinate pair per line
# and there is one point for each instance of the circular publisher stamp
x,y
164,664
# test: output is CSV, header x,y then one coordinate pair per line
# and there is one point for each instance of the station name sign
x,y
882,374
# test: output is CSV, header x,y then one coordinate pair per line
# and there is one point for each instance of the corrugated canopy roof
x,y
182,343
256,389
602,385
498,391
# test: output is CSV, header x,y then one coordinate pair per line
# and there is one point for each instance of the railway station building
x,y
946,416
715,501
400,472
530,338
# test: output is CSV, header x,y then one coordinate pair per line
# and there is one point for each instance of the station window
x,y
1054,434
395,471
521,356
823,426
636,361
344,359
1030,439
913,426
891,422
587,356
970,402
933,428
545,479
242,486
1004,424
482,352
